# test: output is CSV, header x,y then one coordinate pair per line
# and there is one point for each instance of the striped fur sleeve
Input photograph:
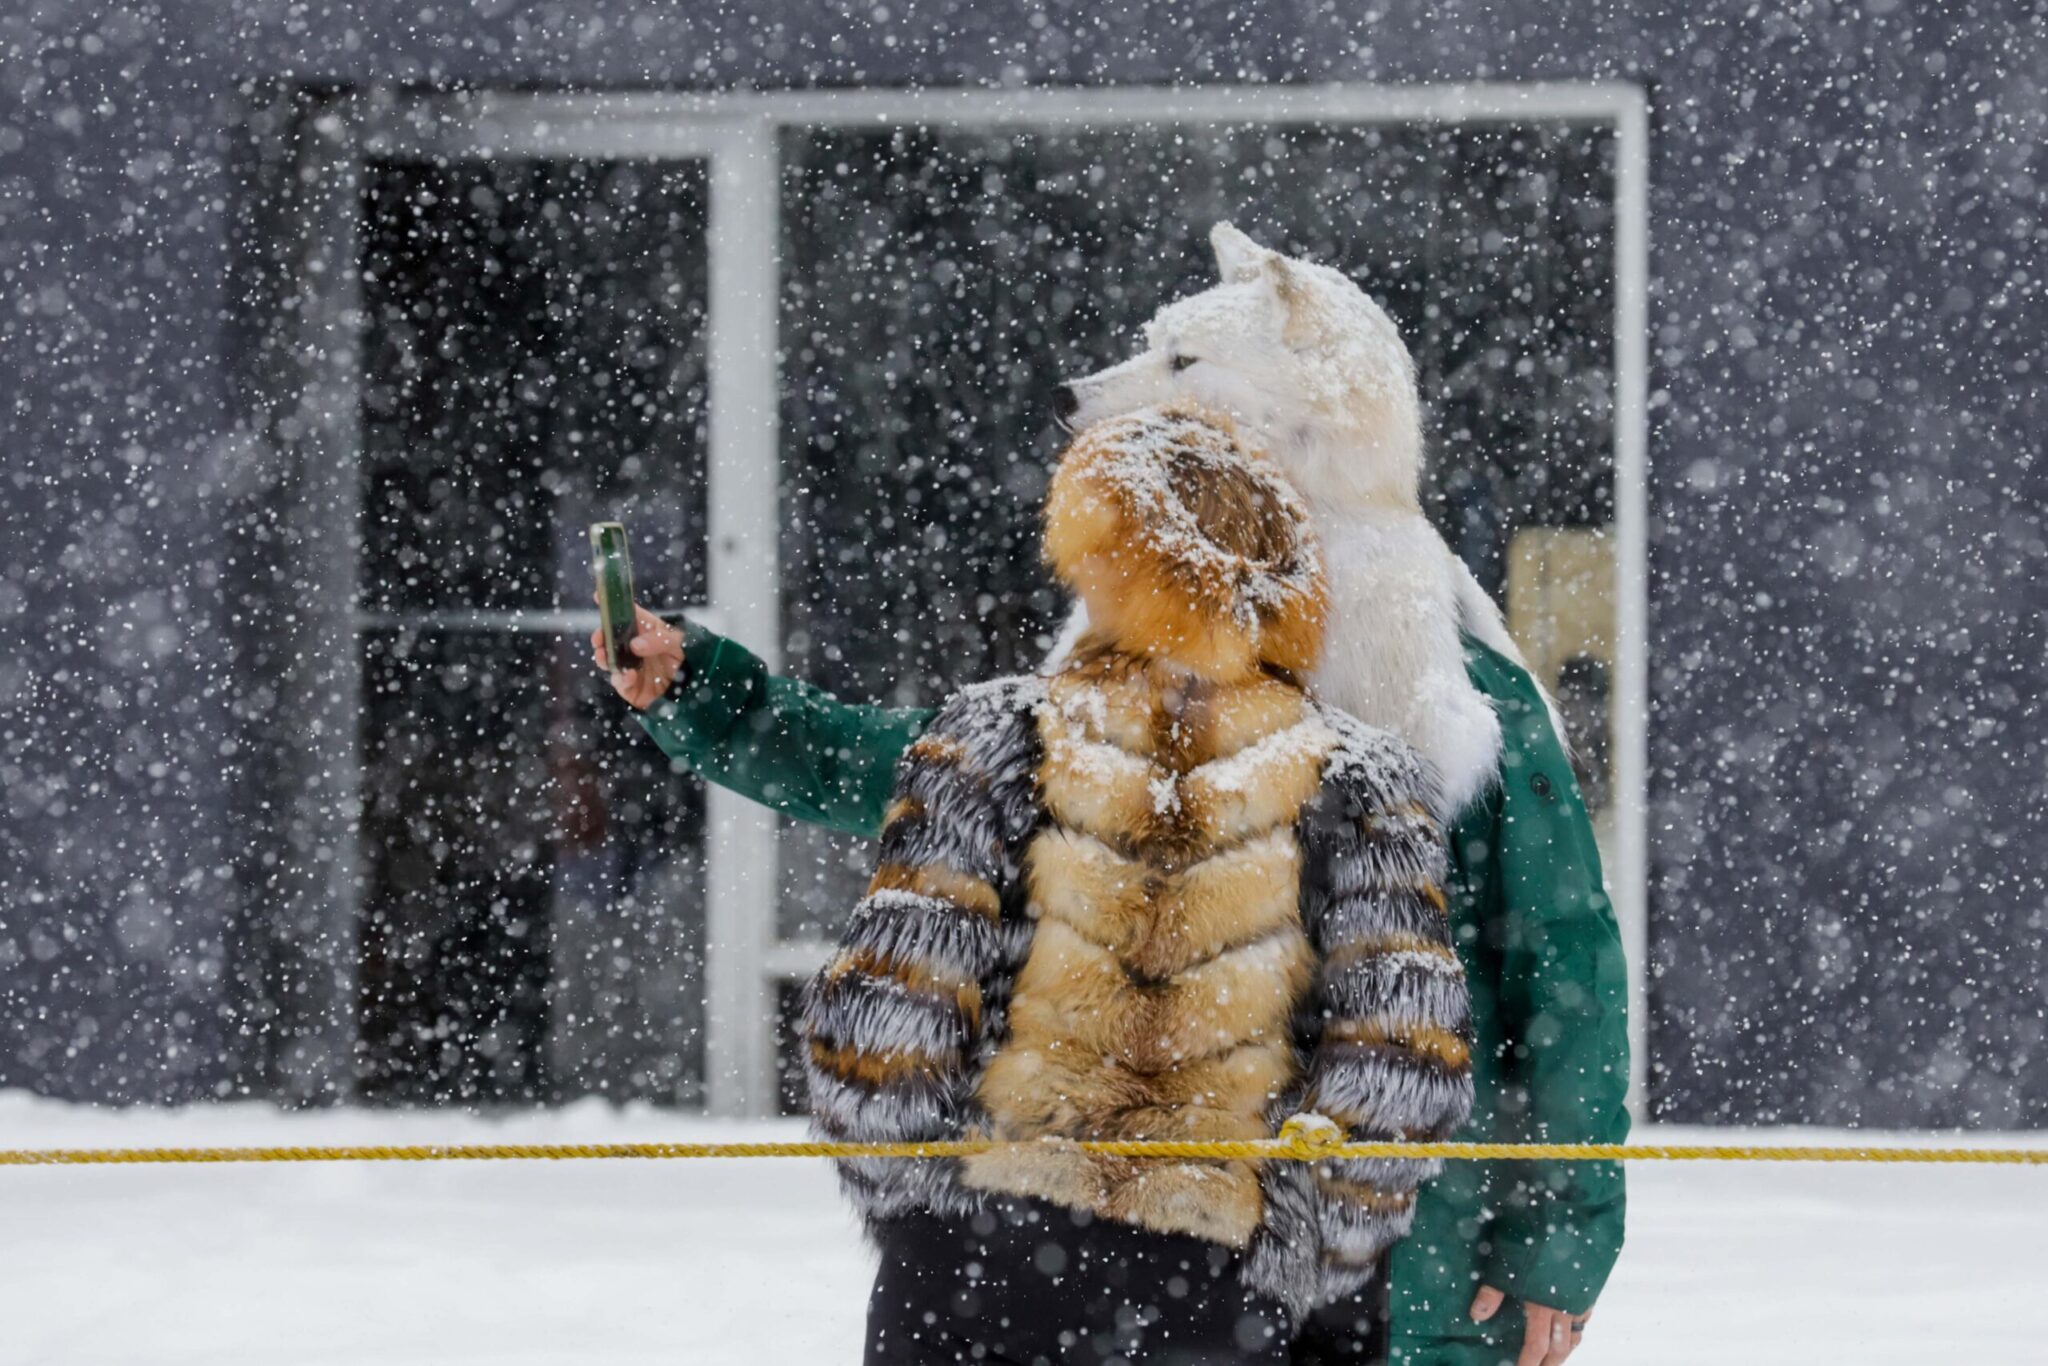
x,y
896,1025
1391,1055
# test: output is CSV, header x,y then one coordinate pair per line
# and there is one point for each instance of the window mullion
x,y
746,591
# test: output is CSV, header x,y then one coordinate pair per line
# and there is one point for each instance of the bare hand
x,y
1548,1336
659,648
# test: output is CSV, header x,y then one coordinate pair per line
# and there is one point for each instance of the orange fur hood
x,y
1199,539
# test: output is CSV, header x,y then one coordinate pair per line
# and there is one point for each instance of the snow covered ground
x,y
724,1263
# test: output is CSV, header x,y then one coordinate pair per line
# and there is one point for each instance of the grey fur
x,y
1394,866
1369,852
1355,919
1352,1239
1386,1093
1405,992
881,1015
906,1113
977,784
908,926
1284,1260
1379,767
905,1110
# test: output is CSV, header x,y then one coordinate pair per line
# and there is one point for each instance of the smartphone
x,y
613,568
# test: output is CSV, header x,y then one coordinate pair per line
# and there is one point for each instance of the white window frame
x,y
737,135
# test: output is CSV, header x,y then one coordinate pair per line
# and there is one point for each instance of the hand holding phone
x,y
658,648
640,651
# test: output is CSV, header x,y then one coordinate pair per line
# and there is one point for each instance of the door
x,y
487,885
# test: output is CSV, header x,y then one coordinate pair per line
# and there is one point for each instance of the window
x,y
802,343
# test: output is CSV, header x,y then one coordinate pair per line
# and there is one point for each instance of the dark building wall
x,y
1849,894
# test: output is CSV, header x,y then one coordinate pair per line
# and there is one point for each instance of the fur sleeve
x,y
895,1026
1391,1055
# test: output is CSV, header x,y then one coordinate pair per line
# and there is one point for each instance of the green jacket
x,y
1534,925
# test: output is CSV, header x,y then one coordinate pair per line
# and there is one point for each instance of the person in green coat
x,y
1505,1260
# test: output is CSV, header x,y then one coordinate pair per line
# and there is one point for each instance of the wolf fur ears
x,y
1240,260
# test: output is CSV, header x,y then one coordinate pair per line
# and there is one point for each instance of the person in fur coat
x,y
1161,894
1507,1259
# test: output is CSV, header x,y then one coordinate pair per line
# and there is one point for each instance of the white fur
x,y
1316,372
1391,655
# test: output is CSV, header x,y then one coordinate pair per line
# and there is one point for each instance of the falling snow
x,y
312,798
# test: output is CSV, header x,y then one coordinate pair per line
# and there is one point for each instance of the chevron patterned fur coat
x,y
1161,894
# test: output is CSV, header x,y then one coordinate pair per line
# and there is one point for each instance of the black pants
x,y
1351,1332
1033,1284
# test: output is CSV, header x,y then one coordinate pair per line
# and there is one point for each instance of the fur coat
x,y
1163,893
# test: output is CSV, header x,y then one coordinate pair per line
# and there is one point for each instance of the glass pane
x,y
455,829
937,284
534,362
534,922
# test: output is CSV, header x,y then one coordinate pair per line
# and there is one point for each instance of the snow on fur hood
x,y
1200,538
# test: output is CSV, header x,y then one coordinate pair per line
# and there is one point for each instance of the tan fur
x,y
1229,720
1160,923
1099,789
1057,1090
1225,807
1169,955
1219,1201
1216,1201
1158,805
1075,993
1146,709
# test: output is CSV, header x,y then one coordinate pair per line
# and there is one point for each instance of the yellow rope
x,y
1301,1140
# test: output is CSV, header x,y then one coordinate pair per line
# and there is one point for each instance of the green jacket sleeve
x,y
784,744
1564,1000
